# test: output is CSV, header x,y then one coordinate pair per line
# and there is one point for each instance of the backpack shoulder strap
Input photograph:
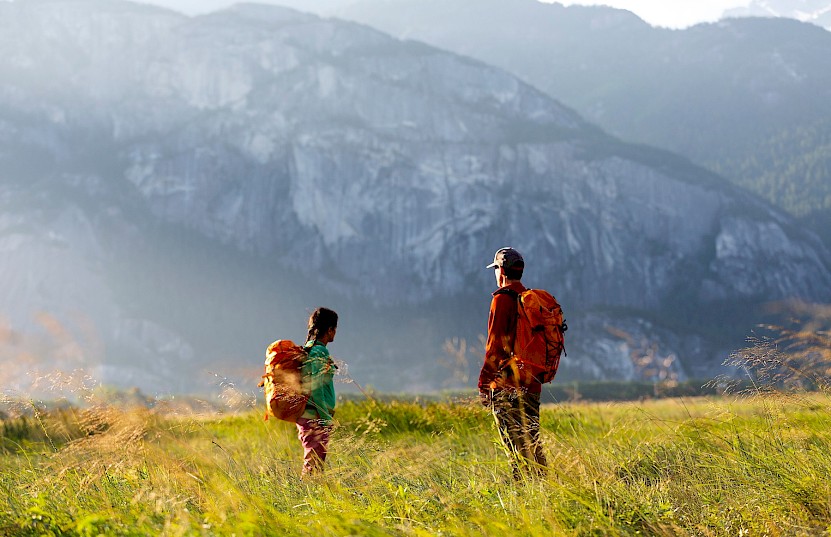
x,y
507,291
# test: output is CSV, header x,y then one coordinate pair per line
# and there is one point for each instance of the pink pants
x,y
315,438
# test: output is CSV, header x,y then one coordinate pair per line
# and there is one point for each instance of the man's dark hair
x,y
514,273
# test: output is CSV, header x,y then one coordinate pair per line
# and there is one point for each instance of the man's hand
x,y
486,397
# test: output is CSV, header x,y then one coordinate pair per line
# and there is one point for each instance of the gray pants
x,y
518,420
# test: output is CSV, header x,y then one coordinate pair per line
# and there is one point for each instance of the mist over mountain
x,y
201,7
815,11
747,98
178,192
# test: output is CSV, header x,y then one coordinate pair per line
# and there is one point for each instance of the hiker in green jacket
x,y
315,424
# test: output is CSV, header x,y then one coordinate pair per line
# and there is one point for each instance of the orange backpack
x,y
539,334
285,398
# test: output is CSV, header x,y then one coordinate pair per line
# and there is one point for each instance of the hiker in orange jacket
x,y
513,398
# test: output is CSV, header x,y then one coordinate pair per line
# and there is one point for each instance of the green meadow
x,y
744,463
732,465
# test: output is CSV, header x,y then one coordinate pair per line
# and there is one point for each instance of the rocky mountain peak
x,y
296,160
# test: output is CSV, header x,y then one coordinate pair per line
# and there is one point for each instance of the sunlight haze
x,y
670,13
667,13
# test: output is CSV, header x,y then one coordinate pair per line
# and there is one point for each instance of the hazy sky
x,y
670,13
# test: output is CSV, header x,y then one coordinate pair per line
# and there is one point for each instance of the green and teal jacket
x,y
318,373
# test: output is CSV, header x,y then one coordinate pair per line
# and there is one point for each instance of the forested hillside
x,y
792,168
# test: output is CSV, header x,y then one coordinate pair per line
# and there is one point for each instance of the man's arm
x,y
500,340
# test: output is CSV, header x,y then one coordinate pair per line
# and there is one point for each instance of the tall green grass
x,y
757,463
716,466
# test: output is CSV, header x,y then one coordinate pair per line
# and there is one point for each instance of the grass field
x,y
707,466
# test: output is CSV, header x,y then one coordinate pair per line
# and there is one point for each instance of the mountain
x,y
747,98
178,192
815,11
201,7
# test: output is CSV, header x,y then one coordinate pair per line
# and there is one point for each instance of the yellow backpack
x,y
285,398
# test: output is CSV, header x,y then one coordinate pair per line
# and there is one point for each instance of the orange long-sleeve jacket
x,y
497,373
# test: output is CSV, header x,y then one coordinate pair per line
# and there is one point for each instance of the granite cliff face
x,y
382,173
747,98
